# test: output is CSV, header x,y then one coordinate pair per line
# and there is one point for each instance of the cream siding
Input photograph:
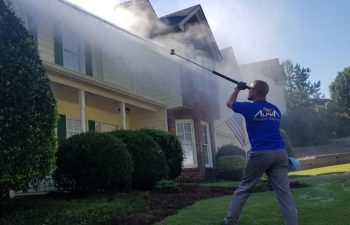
x,y
45,41
114,71
148,120
97,63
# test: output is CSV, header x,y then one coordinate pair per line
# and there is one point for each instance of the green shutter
x,y
32,27
88,60
61,129
91,125
58,47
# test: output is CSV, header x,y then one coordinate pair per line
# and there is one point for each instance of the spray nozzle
x,y
172,52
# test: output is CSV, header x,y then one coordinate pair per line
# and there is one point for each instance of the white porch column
x,y
82,110
122,116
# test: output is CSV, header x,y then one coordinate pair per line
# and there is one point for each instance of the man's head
x,y
258,91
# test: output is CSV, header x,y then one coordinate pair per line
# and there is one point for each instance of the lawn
x,y
326,202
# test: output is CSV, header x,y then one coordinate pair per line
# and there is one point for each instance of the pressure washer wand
x,y
172,52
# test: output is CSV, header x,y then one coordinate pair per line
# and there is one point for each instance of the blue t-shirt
x,y
263,124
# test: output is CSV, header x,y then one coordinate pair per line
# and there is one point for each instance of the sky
x,y
313,33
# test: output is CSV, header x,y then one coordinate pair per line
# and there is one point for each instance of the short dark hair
x,y
261,86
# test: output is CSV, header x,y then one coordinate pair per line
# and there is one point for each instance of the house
x,y
105,77
273,73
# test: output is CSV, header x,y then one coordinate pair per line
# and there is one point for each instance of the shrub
x,y
27,108
287,143
149,160
230,150
230,167
93,162
167,186
172,149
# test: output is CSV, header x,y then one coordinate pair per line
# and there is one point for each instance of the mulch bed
x,y
163,205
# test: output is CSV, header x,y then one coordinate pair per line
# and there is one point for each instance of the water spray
x,y
172,52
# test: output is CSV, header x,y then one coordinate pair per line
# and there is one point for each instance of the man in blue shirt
x,y
268,152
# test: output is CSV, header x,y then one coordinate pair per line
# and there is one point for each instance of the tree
x,y
340,89
304,121
340,104
27,108
299,89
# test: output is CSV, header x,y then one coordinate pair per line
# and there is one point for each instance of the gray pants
x,y
275,164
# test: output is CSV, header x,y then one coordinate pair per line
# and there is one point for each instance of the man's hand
x,y
241,86
232,98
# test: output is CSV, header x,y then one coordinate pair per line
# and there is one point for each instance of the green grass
x,y
326,202
95,210
342,168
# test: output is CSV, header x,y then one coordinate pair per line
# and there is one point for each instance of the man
x,y
268,152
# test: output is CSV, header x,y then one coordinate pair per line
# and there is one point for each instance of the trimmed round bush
x,y
172,149
149,160
230,150
92,162
230,167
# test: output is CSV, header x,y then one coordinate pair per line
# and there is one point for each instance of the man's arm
x,y
232,98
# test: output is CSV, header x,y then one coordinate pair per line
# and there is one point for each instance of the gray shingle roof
x,y
177,17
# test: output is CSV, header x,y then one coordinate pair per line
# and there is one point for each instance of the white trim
x,y
82,110
209,148
122,115
193,143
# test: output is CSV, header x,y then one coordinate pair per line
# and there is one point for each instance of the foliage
x,y
149,160
230,167
94,210
172,149
287,143
306,117
167,186
299,89
92,162
230,150
340,104
340,89
27,108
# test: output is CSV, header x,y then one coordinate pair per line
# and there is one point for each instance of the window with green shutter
x,y
92,126
88,59
61,129
58,47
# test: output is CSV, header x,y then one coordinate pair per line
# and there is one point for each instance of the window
x,y
73,126
185,133
72,51
206,145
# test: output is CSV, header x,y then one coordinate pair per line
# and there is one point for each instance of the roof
x,y
176,17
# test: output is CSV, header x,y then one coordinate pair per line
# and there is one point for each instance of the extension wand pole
x,y
172,52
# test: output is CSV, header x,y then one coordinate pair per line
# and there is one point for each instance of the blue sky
x,y
314,33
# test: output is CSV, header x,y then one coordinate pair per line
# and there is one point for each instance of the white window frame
x,y
208,151
71,132
193,164
65,50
